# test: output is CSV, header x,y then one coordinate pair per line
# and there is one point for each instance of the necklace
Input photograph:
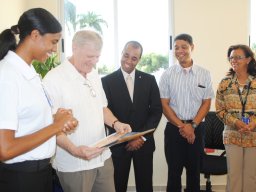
x,y
241,83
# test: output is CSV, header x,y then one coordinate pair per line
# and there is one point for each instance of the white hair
x,y
84,37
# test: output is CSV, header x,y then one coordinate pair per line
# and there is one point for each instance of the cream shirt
x,y
132,74
23,105
69,89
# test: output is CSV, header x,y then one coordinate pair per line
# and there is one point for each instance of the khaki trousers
x,y
241,169
96,180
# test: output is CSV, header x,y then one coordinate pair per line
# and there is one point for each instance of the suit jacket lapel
x,y
137,86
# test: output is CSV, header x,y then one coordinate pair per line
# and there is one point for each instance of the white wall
x,y
51,5
215,25
10,12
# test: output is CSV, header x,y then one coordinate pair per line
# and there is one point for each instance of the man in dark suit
x,y
133,97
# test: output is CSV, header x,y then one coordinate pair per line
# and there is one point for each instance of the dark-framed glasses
x,y
89,85
236,58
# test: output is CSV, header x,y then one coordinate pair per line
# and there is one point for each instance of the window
x,y
253,25
121,21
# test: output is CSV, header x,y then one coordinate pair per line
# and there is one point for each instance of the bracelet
x,y
113,124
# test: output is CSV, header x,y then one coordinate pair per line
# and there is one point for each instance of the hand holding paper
x,y
122,127
117,138
86,152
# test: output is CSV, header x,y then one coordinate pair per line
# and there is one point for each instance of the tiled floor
x,y
162,189
165,191
156,189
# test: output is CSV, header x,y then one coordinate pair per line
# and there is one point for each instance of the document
x,y
117,138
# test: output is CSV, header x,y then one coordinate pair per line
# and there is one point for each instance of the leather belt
x,y
186,121
27,166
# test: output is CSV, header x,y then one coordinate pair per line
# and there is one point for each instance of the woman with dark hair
x,y
27,127
236,107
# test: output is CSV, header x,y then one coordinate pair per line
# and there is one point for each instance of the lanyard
x,y
47,96
243,102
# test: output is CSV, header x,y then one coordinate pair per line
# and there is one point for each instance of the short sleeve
x,y
164,86
9,95
209,93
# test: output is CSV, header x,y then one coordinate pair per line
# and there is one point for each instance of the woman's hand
x,y
65,120
241,126
251,126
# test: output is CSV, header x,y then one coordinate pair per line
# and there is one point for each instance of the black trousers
x,y
179,154
143,170
29,176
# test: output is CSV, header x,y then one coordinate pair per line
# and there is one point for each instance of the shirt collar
x,y
20,65
72,72
132,74
192,69
234,79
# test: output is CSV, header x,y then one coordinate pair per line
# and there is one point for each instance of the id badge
x,y
246,120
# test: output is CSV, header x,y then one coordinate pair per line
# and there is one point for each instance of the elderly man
x,y
76,84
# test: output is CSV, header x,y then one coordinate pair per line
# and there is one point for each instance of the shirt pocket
x,y
198,92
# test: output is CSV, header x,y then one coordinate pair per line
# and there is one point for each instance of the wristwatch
x,y
194,125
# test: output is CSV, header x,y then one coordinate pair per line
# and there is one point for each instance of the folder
x,y
117,138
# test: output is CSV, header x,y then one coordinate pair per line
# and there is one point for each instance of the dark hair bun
x,y
15,29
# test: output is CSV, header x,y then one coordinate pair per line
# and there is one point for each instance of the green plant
x,y
43,68
73,20
105,70
152,62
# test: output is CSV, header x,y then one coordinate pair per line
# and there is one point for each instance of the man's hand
x,y
187,131
135,144
191,139
87,153
122,127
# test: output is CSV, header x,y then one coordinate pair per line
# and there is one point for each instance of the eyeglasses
x,y
236,58
89,85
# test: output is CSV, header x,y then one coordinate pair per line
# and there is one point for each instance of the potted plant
x,y
42,68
